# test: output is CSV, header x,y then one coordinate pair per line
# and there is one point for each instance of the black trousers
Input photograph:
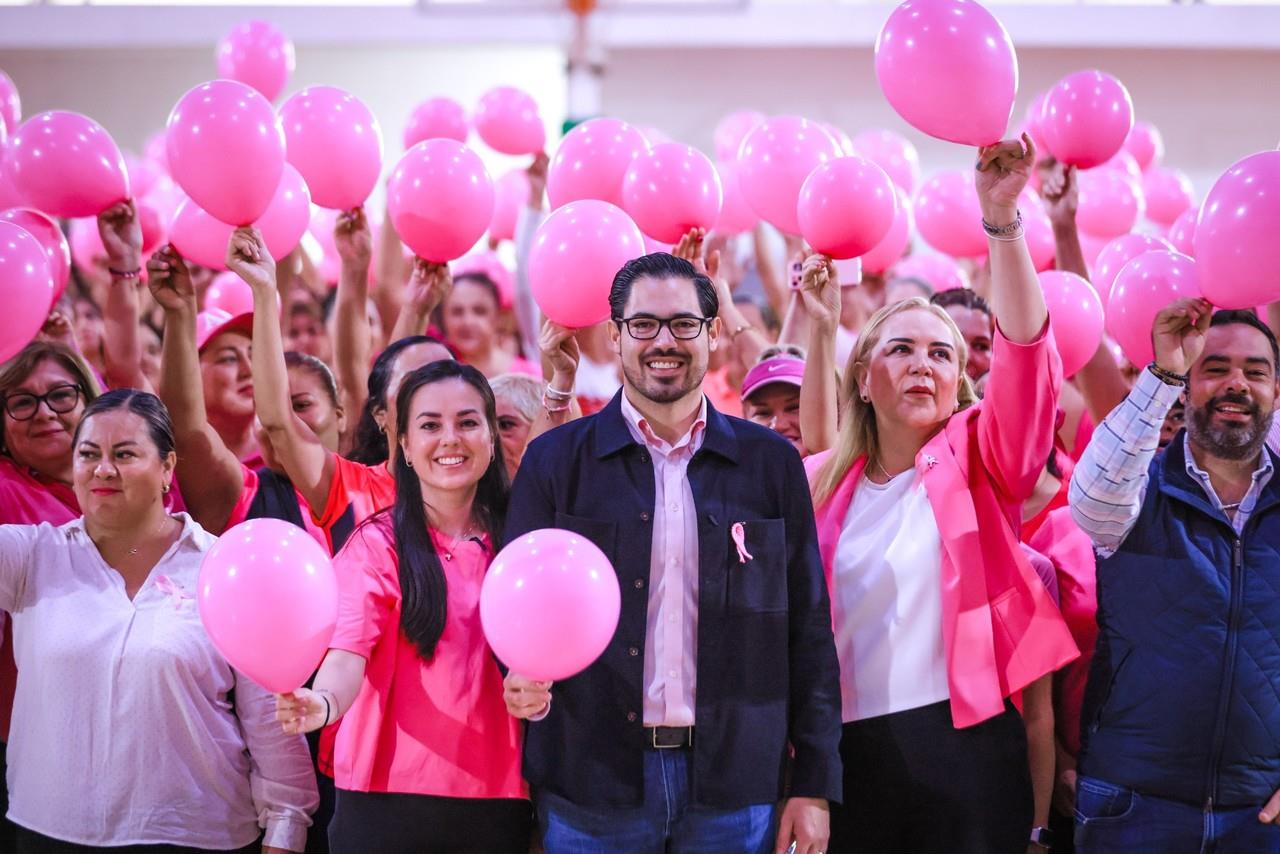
x,y
914,784
30,842
423,824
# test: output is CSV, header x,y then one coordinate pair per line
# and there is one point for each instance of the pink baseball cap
x,y
215,321
779,369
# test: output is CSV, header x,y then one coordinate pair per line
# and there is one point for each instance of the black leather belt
x,y
668,737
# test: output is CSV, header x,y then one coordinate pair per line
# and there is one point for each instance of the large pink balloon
x,y
732,129
1183,232
576,253
10,105
938,271
26,288
893,153
10,197
1146,144
436,118
440,199
228,292
66,165
948,67
1144,286
507,120
1087,116
510,195
887,252
199,237
773,163
1031,120
670,189
87,252
1038,230
948,216
1125,163
592,161
226,150
1168,193
1110,203
268,597
846,207
1237,237
1120,251
549,604
736,216
259,55
47,232
335,142
203,238
1075,316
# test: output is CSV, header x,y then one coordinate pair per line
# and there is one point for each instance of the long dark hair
x,y
369,443
423,587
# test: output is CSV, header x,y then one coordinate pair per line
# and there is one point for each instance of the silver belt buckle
x,y
656,746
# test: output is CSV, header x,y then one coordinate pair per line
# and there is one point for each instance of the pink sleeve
x,y
1018,416
250,491
368,589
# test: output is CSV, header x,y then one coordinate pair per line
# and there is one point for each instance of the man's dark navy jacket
x,y
767,673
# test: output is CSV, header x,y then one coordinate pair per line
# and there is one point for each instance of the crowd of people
x,y
889,582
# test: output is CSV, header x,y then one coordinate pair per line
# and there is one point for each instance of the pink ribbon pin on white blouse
x,y
739,535
170,588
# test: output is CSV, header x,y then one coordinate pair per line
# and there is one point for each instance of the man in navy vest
x,y
1182,713
722,680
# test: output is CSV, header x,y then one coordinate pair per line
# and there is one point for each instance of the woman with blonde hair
x,y
940,620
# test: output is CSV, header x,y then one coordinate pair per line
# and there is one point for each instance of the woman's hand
x,y
820,291
1003,171
429,286
560,348
170,280
353,238
525,698
121,235
304,710
248,258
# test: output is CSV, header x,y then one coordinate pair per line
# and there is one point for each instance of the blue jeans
x,y
667,822
1112,819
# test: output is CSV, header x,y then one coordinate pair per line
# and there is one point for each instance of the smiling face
x,y
118,473
664,369
471,317
1232,392
227,375
43,442
449,442
777,406
913,375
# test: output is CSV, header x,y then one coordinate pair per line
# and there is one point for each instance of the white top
x,y
888,601
597,380
124,730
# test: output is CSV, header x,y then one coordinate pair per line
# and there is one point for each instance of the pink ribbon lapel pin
x,y
739,534
173,590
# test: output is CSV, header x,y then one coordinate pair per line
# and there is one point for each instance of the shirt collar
x,y
76,527
641,431
1264,469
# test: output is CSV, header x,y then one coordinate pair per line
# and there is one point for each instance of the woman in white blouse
x,y
130,731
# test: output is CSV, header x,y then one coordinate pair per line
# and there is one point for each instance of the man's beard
x,y
662,392
1233,442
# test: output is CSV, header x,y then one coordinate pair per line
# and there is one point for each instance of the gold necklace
x,y
465,535
133,551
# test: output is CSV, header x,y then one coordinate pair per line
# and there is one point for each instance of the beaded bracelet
x,y
1004,231
1168,377
125,274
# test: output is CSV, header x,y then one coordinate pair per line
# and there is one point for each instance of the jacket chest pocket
x,y
603,533
757,573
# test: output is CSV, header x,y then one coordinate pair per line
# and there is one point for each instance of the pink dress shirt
x,y
671,641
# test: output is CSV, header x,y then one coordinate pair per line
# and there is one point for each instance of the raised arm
x,y
746,339
819,392
528,316
351,345
121,345
211,478
390,275
307,462
1016,298
559,349
429,286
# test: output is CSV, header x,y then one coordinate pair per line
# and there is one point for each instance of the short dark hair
x,y
141,403
1246,316
962,297
661,265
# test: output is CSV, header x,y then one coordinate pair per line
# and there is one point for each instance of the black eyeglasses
x,y
645,328
23,406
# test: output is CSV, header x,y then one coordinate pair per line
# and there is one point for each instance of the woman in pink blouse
x,y
427,759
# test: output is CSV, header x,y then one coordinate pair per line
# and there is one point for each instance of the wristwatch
x,y
1042,836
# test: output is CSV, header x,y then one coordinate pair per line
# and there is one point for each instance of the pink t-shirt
x,y
417,727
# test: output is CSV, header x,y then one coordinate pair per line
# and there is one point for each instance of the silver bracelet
x,y
1011,237
556,394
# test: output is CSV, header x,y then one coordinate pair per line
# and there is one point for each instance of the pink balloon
x,y
10,197
1124,162
268,598
1110,203
335,142
732,129
143,175
10,105
1144,286
259,55
940,272
1038,230
670,189
1087,116
440,199
287,216
164,198
1183,231
846,207
154,225
842,139
948,67
576,253
228,292
887,252
549,604
1075,317
1120,251
226,150
157,150
507,120
46,231
1031,120
198,237
1092,247
736,216
321,230
1145,143
773,163
893,153
87,251
66,165
510,194
948,215
592,161
436,118
1168,193
1237,237
26,288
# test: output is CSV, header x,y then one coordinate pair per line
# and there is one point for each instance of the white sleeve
x,y
528,317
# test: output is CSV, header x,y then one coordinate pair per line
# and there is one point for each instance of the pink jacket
x,y
1001,630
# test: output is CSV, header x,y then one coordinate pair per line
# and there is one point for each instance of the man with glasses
x,y
721,681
